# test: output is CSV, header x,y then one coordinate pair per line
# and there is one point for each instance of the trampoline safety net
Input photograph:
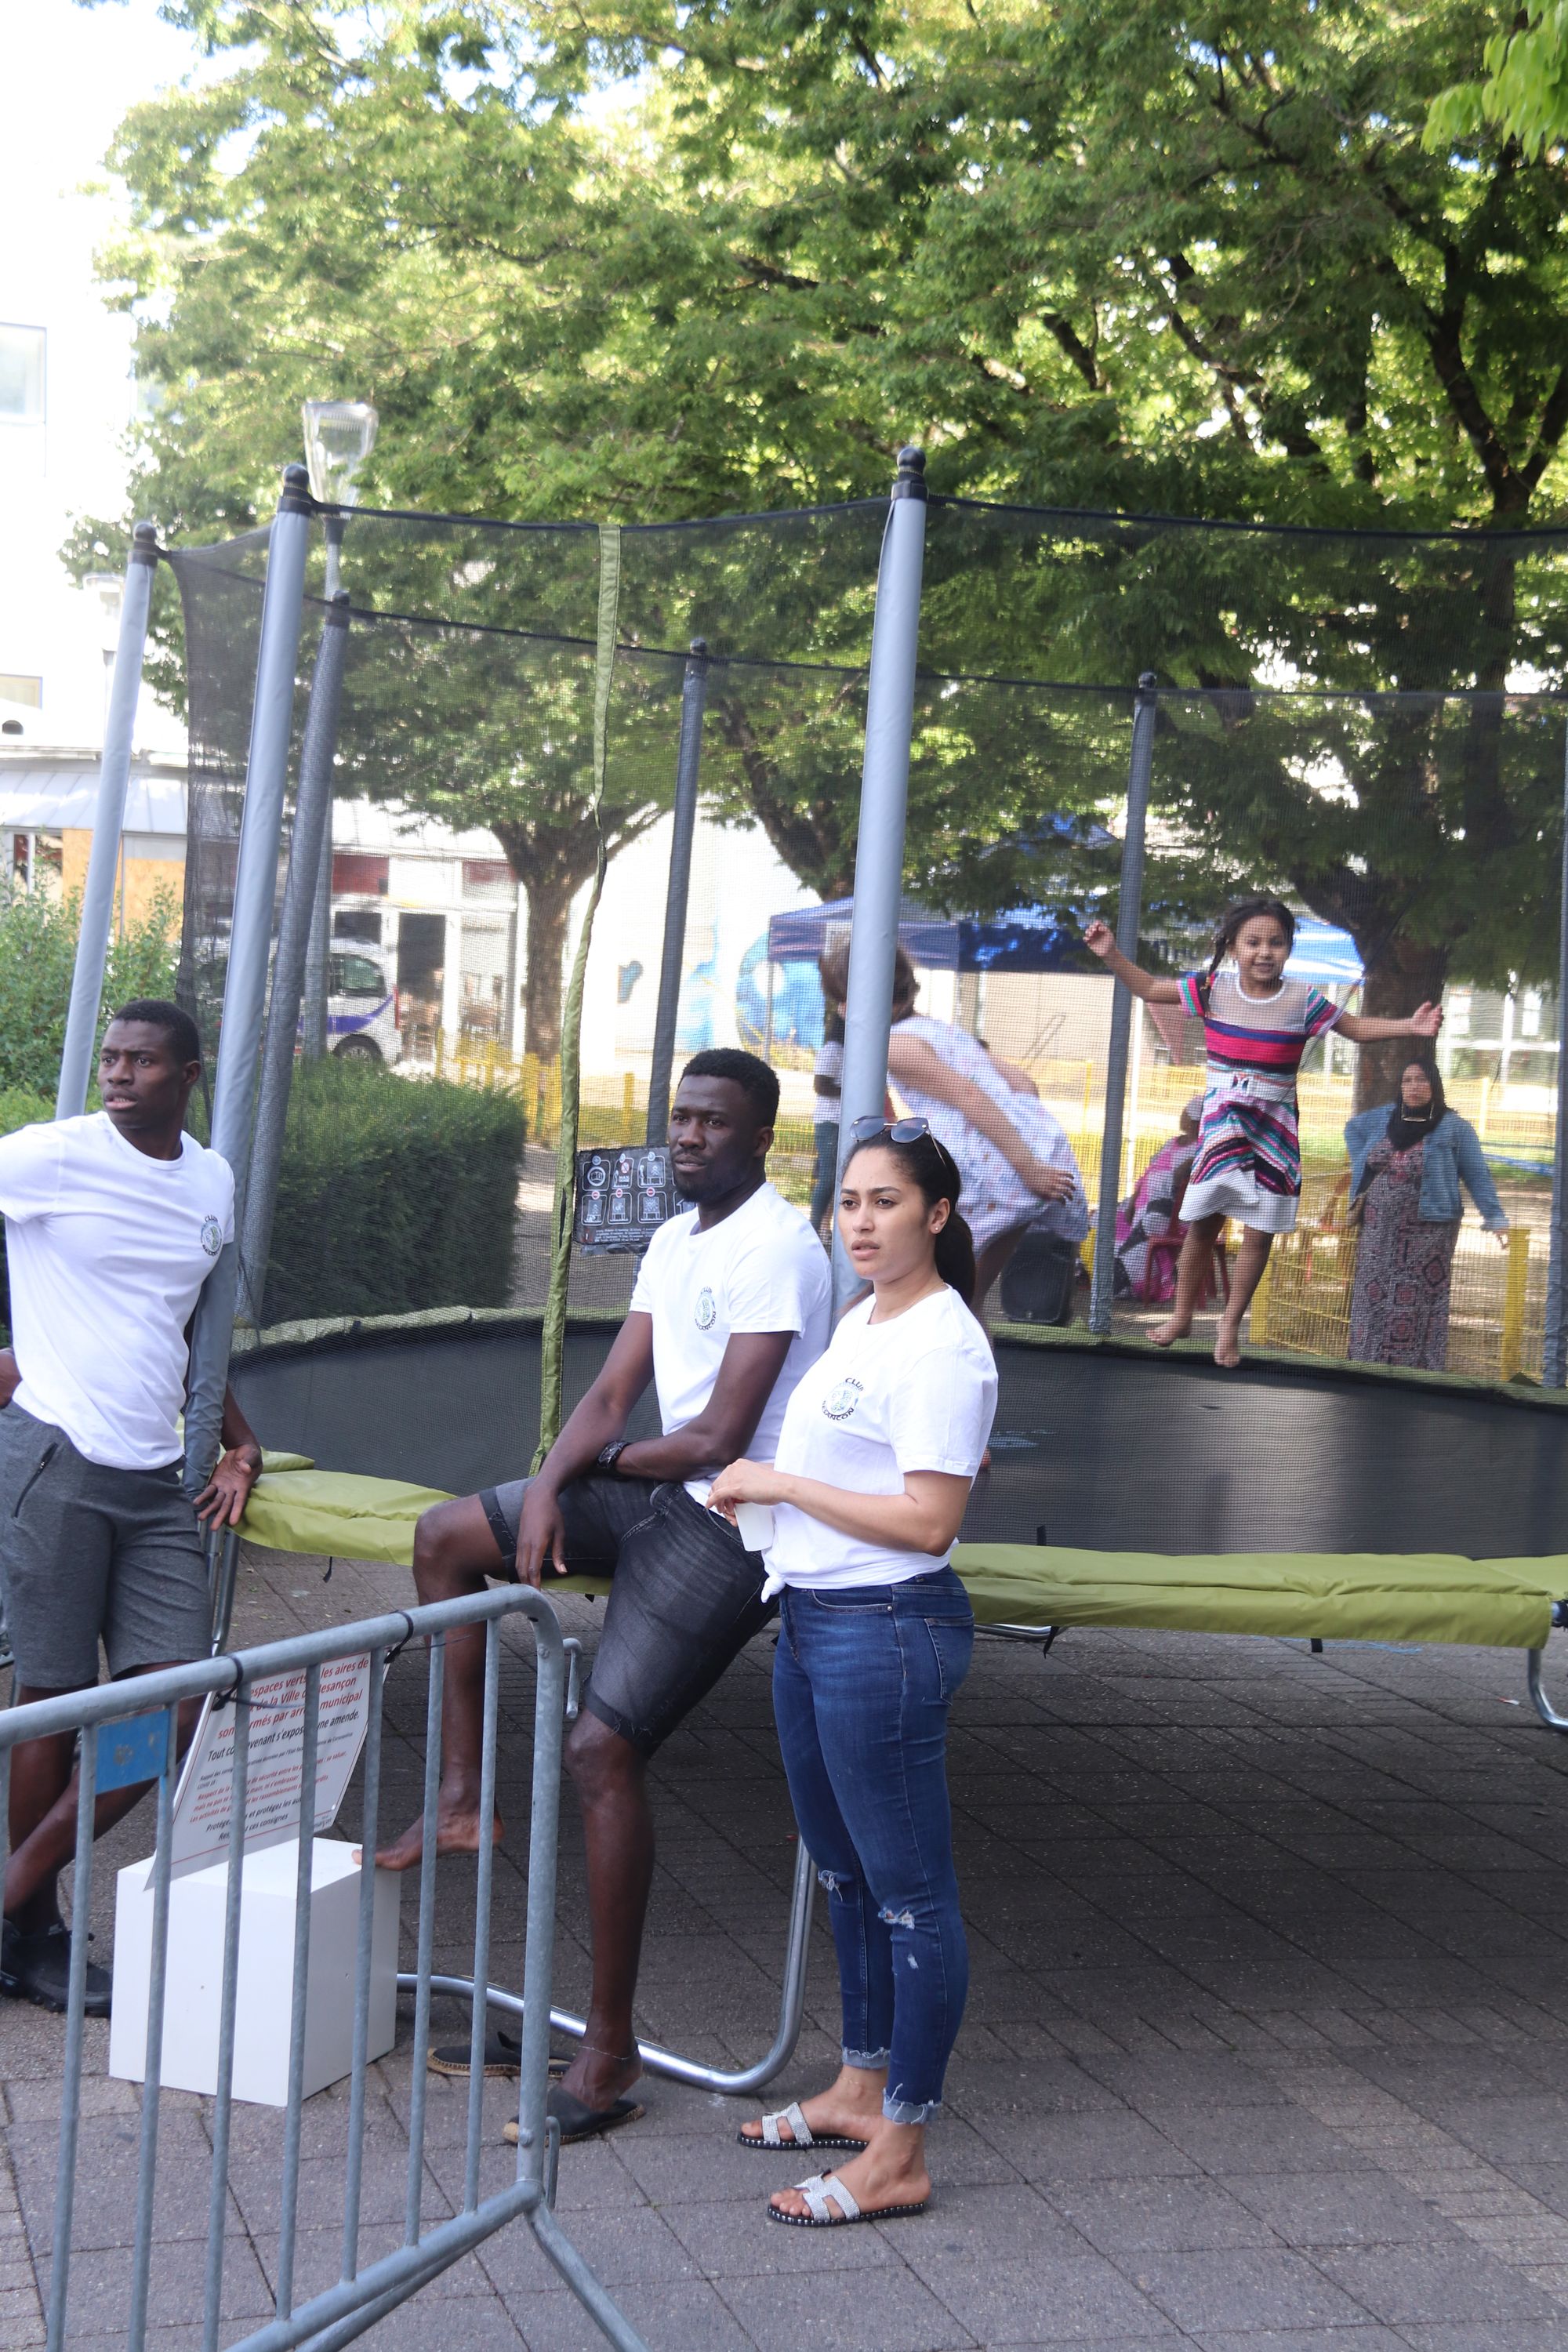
x,y
1371,726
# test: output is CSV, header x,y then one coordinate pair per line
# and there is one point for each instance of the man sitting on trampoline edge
x,y
732,1305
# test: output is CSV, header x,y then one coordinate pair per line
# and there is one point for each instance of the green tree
x,y
1523,92
1202,265
37,953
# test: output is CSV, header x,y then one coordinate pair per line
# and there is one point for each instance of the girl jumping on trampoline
x,y
1256,1026
878,1450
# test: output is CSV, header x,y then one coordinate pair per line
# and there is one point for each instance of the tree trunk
x,y
1404,976
548,913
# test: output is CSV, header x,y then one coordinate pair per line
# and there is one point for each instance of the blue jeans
x,y
862,1683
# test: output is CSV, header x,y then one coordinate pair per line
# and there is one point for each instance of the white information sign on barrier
x,y
275,1716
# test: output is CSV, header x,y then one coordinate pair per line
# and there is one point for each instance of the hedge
x,y
395,1195
17,1108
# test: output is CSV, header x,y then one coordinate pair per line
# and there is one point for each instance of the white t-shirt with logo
x,y
917,1392
108,1250
760,1268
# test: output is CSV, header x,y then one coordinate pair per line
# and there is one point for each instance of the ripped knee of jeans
x,y
890,1917
833,1881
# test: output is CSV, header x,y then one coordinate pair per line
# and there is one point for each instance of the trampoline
x,y
1128,1488
1098,1445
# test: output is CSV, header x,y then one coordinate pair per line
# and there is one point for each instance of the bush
x,y
395,1194
17,1108
37,950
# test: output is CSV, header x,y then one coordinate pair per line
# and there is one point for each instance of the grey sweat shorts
x,y
685,1599
89,1555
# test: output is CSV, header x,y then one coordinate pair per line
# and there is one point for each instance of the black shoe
x,y
502,2060
36,1968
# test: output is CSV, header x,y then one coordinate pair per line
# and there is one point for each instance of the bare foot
x,y
879,2178
1173,1329
599,2080
456,1833
832,2113
1227,1348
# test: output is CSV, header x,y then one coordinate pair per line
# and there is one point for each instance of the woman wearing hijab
x,y
1409,1159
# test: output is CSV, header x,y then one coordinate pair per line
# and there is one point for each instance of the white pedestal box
x,y
194,1985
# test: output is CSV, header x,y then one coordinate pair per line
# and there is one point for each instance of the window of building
x,y
14,686
357,874
490,879
21,374
357,923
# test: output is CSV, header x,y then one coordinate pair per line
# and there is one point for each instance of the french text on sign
x,y
273,1712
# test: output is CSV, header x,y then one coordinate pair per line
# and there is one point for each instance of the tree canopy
x,y
652,261
1523,87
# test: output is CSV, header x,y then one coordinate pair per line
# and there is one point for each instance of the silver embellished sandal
x,y
819,2214
772,2142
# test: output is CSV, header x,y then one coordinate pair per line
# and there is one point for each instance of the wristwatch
x,y
608,1456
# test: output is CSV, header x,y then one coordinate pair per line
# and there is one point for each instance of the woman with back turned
x,y
878,1450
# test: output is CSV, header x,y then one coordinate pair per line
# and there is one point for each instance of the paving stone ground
x,y
1266,2047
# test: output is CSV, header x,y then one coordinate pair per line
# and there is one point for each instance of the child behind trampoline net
x,y
1256,1026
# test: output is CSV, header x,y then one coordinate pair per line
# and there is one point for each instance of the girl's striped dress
x,y
1249,1163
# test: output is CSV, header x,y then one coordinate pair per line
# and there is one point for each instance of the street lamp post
x,y
339,436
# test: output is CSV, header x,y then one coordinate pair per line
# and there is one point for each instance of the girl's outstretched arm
x,y
1366,1029
1101,941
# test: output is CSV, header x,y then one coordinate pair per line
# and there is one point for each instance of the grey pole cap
x,y
911,481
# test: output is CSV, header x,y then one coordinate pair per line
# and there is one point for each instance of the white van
x,y
362,1003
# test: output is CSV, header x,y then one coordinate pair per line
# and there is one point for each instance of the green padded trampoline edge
x,y
1338,1596
1369,1597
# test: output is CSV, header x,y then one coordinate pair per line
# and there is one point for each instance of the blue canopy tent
x,y
1022,939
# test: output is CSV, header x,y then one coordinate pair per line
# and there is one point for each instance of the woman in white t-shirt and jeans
x,y
879,1447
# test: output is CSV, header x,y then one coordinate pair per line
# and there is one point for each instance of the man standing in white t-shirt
x,y
112,1224
731,1305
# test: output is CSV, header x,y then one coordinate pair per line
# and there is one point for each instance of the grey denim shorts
x,y
685,1599
89,1554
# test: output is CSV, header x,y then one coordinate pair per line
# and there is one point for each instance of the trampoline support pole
x,y
884,798
313,1042
694,703
249,946
312,826
1538,1698
737,2082
1130,908
1554,1353
109,823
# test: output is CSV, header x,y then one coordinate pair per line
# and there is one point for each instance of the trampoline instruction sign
x,y
276,1721
624,1193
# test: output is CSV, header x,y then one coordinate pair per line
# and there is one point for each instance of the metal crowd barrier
x,y
362,2295
739,2081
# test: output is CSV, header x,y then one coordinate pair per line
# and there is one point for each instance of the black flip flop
x,y
580,2122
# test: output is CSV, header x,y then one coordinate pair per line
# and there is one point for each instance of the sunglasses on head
x,y
871,1129
896,1130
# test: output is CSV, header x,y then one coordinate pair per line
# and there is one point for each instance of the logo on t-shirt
x,y
840,1402
707,1311
212,1237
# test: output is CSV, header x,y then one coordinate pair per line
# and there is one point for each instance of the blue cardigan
x,y
1453,1156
